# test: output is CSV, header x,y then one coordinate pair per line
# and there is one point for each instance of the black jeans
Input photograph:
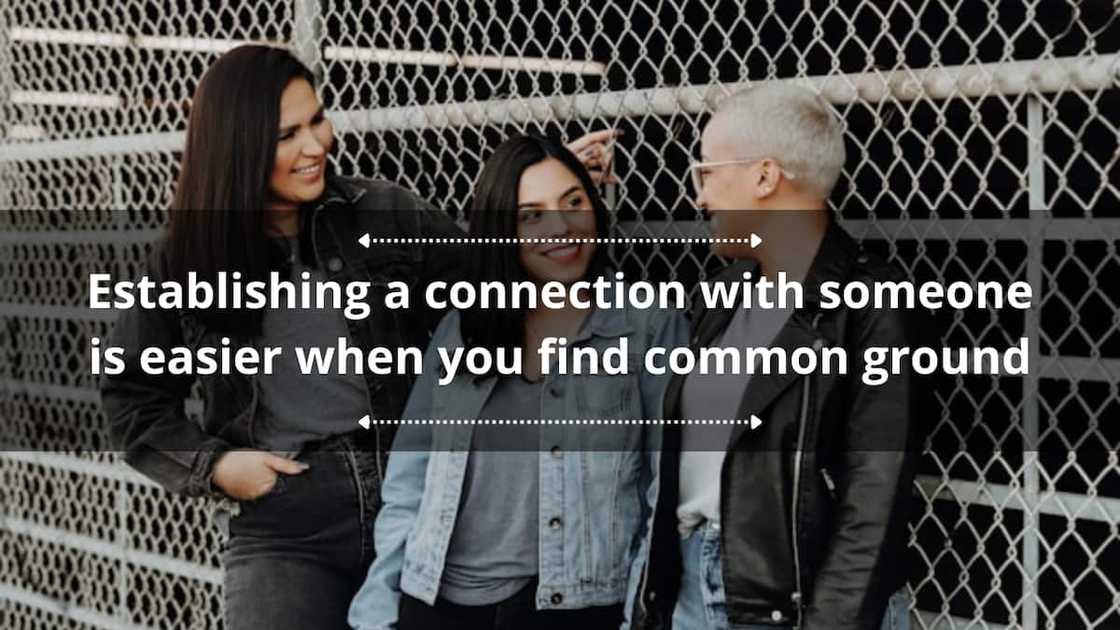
x,y
296,557
516,613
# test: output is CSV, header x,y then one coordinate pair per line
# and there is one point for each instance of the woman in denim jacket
x,y
523,525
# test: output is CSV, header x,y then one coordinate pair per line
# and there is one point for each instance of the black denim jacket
x,y
146,414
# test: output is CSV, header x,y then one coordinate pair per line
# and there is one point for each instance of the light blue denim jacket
x,y
602,487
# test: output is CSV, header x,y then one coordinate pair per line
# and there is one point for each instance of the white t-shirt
x,y
717,396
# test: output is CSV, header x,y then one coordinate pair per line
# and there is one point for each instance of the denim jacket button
x,y
557,599
335,264
776,615
556,523
557,452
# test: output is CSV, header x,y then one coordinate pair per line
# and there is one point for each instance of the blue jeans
x,y
701,604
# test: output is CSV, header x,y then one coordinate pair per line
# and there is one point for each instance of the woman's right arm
x,y
145,412
376,605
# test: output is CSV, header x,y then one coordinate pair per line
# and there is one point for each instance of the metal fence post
x,y
1031,399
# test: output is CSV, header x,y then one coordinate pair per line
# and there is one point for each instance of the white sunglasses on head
x,y
695,169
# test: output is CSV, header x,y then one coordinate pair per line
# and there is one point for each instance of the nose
x,y
312,147
554,223
702,203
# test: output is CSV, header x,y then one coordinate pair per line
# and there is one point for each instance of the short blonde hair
x,y
792,125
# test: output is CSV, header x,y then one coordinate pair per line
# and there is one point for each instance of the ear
x,y
767,179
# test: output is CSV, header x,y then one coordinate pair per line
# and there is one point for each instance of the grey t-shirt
x,y
717,396
493,552
297,408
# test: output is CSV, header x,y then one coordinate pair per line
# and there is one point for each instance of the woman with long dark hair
x,y
296,479
506,517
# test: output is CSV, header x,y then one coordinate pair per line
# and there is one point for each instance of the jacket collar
x,y
608,323
611,322
341,190
833,262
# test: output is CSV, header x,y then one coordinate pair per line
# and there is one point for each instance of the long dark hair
x,y
493,214
218,213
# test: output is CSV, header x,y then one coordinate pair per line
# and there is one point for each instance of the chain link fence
x,y
983,145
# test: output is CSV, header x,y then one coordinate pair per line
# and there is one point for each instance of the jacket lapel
x,y
764,389
461,399
833,261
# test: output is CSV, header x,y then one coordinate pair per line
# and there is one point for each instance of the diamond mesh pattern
x,y
983,145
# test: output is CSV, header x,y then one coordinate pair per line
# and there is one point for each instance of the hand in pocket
x,y
249,475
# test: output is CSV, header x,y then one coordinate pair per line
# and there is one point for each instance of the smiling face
x,y
304,139
552,203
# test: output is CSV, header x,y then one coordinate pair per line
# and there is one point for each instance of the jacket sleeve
x,y
671,332
377,603
145,412
865,557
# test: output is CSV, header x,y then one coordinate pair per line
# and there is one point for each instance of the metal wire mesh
x,y
983,144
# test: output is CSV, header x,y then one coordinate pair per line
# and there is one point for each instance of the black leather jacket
x,y
814,501
146,413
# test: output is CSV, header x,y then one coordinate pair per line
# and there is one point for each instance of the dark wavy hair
x,y
218,212
493,214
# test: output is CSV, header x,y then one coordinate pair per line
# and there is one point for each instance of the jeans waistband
x,y
706,529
